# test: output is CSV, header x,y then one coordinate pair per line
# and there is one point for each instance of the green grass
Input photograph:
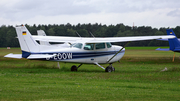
x,y
138,77
146,48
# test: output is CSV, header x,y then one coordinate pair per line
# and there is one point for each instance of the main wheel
x,y
108,69
74,68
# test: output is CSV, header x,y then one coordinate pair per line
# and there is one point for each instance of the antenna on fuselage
x,y
91,34
78,34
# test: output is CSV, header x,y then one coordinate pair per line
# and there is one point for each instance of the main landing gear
x,y
75,68
109,68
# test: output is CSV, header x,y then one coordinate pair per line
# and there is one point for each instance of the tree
x,y
120,34
51,32
100,32
177,31
83,33
10,39
71,32
159,33
8,34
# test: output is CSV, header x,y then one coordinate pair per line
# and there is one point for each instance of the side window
x,y
100,45
89,47
77,45
108,45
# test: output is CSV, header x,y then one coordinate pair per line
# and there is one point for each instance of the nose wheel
x,y
110,68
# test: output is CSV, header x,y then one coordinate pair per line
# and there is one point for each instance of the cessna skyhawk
x,y
82,50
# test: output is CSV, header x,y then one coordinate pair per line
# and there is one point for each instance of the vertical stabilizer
x,y
174,43
42,33
27,43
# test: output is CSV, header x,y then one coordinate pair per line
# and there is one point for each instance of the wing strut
x,y
118,52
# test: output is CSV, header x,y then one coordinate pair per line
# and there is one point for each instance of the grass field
x,y
137,77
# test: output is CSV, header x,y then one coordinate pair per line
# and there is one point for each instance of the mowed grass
x,y
137,77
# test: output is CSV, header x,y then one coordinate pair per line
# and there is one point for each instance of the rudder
x,y
27,43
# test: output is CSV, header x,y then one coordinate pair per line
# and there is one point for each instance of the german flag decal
x,y
24,33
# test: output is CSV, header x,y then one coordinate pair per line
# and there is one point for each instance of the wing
x,y
127,39
99,40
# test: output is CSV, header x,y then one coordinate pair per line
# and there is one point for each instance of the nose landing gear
x,y
110,68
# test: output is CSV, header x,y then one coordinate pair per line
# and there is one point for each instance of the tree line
x,y
8,34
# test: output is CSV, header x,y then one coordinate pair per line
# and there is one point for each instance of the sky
x,y
154,13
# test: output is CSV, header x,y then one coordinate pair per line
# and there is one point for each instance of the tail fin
x,y
27,43
174,44
42,33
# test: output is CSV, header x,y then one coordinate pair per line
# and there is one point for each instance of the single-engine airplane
x,y
174,44
83,50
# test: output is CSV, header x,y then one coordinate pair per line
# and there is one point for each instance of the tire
x,y
113,69
108,69
74,68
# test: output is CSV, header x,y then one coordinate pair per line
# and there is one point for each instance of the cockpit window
x,y
77,45
89,47
108,45
100,45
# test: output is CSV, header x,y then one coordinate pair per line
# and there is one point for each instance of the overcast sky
x,y
155,13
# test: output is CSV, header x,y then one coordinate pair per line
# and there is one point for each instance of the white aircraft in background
x,y
83,50
42,33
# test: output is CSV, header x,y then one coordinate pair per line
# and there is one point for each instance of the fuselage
x,y
82,53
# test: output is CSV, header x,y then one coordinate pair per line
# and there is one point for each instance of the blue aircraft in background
x,y
174,44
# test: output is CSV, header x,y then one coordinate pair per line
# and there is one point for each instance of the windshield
x,y
108,45
77,45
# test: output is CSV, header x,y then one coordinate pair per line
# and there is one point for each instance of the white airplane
x,y
42,33
83,50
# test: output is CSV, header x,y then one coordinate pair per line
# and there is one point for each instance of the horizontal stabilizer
x,y
40,56
163,49
11,55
